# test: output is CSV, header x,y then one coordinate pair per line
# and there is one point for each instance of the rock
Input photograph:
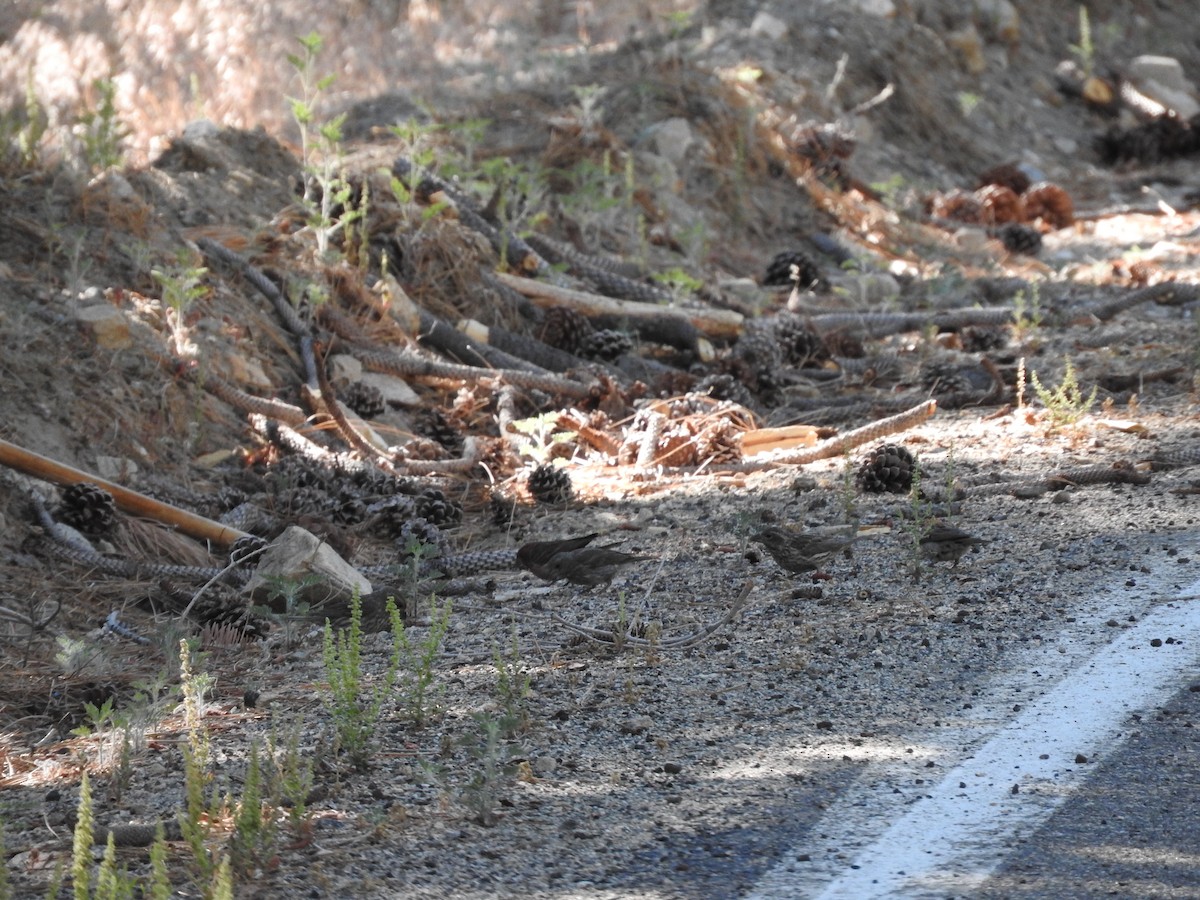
x,y
246,371
107,324
116,468
883,8
969,45
672,139
768,26
999,20
1161,79
637,725
394,390
296,554
344,369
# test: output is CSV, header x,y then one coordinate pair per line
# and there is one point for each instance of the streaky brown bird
x,y
805,551
948,543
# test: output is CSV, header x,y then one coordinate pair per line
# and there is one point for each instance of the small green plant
x,y
419,658
100,131
21,133
290,779
113,882
77,656
5,885
918,521
255,835
98,718
678,282
1027,312
543,435
513,684
1085,51
195,820
325,187
968,102
81,847
494,764
949,482
194,685
1065,404
182,285
849,491
160,877
891,190
286,607
355,709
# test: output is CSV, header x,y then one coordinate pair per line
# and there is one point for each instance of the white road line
x,y
955,836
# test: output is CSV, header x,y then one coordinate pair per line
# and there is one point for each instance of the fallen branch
x,y
132,502
713,322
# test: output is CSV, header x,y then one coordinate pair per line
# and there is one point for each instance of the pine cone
x,y
981,339
88,508
724,387
1019,238
421,531
801,345
240,550
1050,203
887,469
392,514
436,426
550,484
565,328
1007,175
433,505
351,509
605,344
365,399
959,206
1000,204
779,271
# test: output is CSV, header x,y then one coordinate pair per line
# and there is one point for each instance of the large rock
x,y
297,555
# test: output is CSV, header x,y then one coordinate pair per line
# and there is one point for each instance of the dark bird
x,y
574,561
590,566
946,543
805,551
536,554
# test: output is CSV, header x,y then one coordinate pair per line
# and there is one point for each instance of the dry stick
x,y
266,287
249,403
603,274
315,352
713,322
838,446
432,332
406,363
607,636
1118,473
130,501
878,325
1168,293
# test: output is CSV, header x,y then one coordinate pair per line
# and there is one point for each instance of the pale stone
x,y
969,45
768,26
394,390
882,8
297,555
116,468
672,139
107,324
1165,70
344,369
246,371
